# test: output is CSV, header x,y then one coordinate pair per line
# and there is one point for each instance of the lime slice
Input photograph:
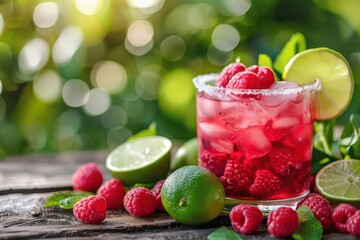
x,y
334,74
340,181
143,160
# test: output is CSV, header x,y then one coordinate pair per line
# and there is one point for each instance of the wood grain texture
x,y
26,182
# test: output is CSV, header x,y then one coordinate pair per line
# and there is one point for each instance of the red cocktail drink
x,y
257,141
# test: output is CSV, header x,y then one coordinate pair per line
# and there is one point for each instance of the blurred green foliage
x,y
87,74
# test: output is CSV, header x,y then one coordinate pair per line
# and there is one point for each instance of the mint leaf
x,y
56,198
150,131
224,233
323,139
69,202
310,227
295,45
264,60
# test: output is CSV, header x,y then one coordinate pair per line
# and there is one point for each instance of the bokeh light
x,y
148,7
202,16
45,14
34,55
237,8
66,45
66,131
225,37
98,102
139,37
109,76
173,48
115,118
2,24
47,86
147,85
75,93
88,7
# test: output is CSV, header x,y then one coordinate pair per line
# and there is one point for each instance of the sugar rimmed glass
x,y
258,142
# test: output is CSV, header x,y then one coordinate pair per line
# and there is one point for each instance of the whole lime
x,y
187,154
193,195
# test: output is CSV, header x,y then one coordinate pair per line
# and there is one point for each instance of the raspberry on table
x,y
228,72
320,207
91,209
87,177
283,161
245,218
266,183
237,178
156,191
341,214
244,80
113,191
215,162
140,202
265,74
353,224
282,222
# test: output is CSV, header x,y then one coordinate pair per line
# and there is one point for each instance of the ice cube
x,y
244,115
213,129
273,100
207,108
222,146
253,142
285,122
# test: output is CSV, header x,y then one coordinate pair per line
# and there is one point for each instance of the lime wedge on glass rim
x,y
142,160
333,72
340,181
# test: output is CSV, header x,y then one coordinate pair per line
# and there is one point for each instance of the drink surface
x,y
260,145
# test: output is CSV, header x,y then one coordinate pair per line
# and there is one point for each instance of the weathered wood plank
x,y
22,215
44,173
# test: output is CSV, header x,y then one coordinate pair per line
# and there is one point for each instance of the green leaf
x,y
56,198
224,233
150,131
265,60
69,202
310,227
320,159
296,44
323,139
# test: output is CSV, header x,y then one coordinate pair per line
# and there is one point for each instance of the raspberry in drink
x,y
256,135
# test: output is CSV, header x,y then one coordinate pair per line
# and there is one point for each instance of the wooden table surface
x,y
26,181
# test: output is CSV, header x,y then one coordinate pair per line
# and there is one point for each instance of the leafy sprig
x,y
326,147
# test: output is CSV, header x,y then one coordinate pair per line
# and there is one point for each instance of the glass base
x,y
265,205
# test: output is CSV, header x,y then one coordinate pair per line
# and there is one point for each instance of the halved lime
x,y
143,160
333,72
340,181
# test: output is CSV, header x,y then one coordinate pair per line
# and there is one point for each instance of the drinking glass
x,y
258,142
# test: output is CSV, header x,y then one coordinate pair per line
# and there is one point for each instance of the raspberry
x,y
215,162
87,177
283,161
91,209
228,72
237,178
266,183
353,224
341,214
320,207
113,191
300,180
244,80
156,191
282,222
140,202
265,74
245,218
